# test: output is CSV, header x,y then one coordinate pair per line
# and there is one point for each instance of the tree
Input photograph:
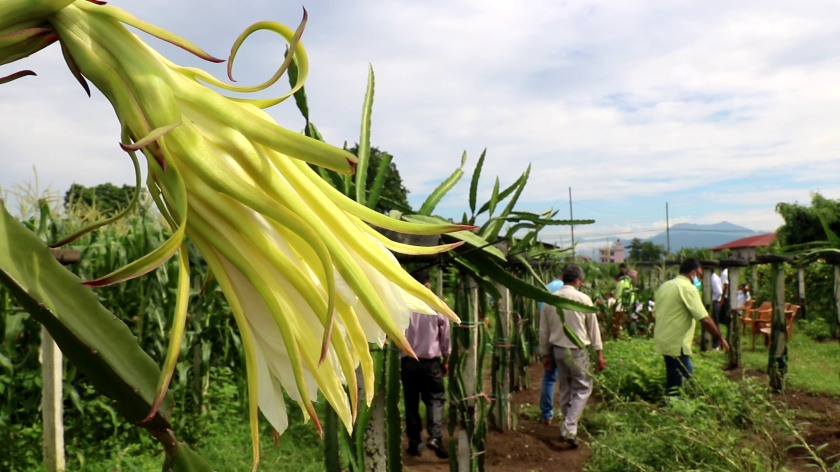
x,y
645,250
802,225
394,190
108,198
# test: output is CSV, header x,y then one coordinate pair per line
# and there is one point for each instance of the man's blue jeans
x,y
677,371
547,393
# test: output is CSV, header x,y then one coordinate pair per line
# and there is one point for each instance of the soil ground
x,y
818,413
533,446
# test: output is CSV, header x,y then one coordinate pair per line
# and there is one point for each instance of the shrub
x,y
817,329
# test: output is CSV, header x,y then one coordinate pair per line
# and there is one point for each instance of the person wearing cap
x,y
550,373
572,361
678,308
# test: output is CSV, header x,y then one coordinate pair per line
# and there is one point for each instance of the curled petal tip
x,y
98,2
16,76
276,435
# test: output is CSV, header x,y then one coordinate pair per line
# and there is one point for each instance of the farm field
x,y
536,447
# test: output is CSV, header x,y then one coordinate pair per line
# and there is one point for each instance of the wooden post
x,y
777,364
470,376
375,444
706,343
837,291
734,334
754,286
504,419
52,370
801,279
52,388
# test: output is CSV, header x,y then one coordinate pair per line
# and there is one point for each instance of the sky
x,y
720,109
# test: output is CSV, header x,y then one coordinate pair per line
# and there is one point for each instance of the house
x,y
611,253
744,248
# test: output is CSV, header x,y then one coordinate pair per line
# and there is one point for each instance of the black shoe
x,y
437,445
572,441
415,449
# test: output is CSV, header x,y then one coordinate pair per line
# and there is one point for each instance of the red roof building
x,y
744,248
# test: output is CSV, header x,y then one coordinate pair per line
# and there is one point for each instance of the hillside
x,y
702,236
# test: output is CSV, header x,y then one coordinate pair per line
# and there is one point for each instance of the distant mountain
x,y
701,236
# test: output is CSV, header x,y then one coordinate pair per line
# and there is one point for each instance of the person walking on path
x,y
572,362
550,373
422,378
678,307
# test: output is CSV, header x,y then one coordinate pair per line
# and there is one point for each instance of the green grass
x,y
813,367
227,449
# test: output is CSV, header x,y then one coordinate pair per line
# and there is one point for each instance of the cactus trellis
x,y
733,332
503,368
778,354
467,411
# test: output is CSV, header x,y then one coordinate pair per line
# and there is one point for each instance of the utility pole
x,y
667,232
572,217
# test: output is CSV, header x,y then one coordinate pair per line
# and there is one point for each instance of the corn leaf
x,y
100,345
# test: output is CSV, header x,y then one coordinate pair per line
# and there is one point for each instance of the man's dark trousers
x,y
423,379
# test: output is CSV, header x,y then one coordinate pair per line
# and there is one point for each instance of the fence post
x,y
734,334
503,348
51,402
778,334
801,279
706,341
470,376
52,388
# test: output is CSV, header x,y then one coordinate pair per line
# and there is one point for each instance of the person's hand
x,y
724,345
445,366
547,364
602,363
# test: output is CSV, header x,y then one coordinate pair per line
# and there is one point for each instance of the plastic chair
x,y
750,316
745,309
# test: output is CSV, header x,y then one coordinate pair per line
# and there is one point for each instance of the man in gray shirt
x,y
572,362
422,378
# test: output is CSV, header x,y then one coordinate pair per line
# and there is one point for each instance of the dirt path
x,y
531,447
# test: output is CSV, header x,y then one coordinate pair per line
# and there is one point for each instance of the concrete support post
x,y
52,371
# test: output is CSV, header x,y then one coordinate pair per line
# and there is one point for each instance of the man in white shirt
x,y
743,295
572,362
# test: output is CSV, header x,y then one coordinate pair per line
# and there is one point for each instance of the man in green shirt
x,y
678,306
